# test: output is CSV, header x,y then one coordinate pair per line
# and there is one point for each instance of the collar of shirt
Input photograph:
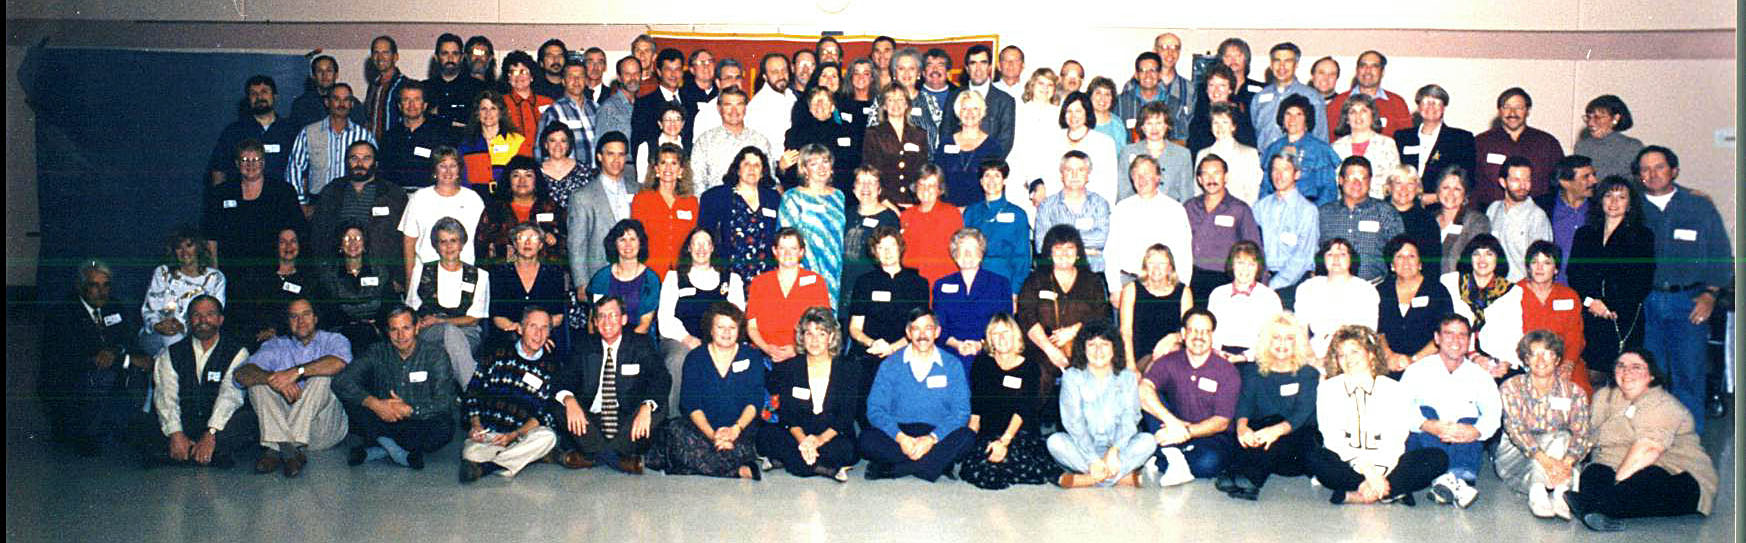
x,y
1662,200
669,95
1239,291
1356,386
983,88
519,349
611,346
920,364
96,315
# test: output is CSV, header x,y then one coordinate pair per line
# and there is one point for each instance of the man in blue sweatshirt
x,y
919,408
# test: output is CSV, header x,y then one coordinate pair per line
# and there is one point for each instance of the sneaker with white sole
x,y
1464,493
1177,472
1149,474
1560,508
1540,502
1443,488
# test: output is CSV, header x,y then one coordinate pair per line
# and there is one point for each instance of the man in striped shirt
x,y
318,155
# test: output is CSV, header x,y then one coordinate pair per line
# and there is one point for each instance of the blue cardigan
x,y
898,398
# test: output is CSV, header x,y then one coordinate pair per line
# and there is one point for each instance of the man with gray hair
x,y
90,373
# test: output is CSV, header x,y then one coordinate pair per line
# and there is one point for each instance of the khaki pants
x,y
517,455
316,421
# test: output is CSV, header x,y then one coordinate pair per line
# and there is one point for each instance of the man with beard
x,y
1511,136
258,121
934,93
1001,108
576,112
289,384
311,106
361,198
318,154
385,82
1515,220
481,60
1189,399
88,364
550,81
1567,207
408,144
769,111
448,90
202,419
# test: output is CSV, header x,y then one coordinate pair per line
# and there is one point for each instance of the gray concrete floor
x,y
52,495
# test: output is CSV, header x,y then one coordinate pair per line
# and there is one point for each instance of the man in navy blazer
x,y
90,373
646,113
611,421
1432,146
979,76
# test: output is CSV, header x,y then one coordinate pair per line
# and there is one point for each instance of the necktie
x,y
609,396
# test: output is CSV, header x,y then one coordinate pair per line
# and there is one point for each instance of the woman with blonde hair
x,y
1364,420
1275,412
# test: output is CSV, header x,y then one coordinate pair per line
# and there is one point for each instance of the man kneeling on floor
x,y
398,396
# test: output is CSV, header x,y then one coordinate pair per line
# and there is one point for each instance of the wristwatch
x,y
300,371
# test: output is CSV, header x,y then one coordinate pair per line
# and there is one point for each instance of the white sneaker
x,y
1464,493
1177,473
1443,488
1559,506
1540,502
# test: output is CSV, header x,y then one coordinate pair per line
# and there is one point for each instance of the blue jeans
x,y
1679,347
1464,458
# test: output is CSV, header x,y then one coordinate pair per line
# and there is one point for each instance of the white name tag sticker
x,y
768,212
949,288
1494,158
1421,301
293,288
574,124
845,116
229,204
1130,124
379,211
1263,98
500,148
417,376
915,111
1082,223
1371,227
1384,122
214,376
1288,238
542,109
1631,412
271,148
1685,234
741,365
801,393
532,381
1226,221
936,381
1254,88
1288,389
1563,305
1012,382
870,222
1454,229
911,148
881,295
844,141
630,369
1006,217
466,287
1559,403
1045,295
808,280
545,217
1206,384
687,291
951,148
682,214
371,281
1409,149
112,319
422,152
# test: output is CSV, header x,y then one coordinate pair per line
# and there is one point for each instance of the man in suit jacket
x,y
646,113
91,378
1432,146
979,76
597,205
612,380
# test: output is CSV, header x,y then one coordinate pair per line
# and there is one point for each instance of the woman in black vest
x,y
355,287
450,297
697,280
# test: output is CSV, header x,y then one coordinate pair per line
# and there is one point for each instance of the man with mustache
x,y
257,120
196,403
318,155
1511,136
550,81
481,60
361,197
449,90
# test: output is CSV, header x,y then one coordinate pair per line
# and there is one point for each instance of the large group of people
x,y
1002,279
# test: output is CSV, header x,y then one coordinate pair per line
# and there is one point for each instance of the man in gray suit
x,y
979,76
597,205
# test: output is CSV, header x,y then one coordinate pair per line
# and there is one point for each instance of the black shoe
x,y
470,471
1338,498
415,460
1246,493
222,461
357,455
878,470
1225,483
1601,523
951,471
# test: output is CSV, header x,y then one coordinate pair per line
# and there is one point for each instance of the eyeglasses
x,y
251,160
1622,368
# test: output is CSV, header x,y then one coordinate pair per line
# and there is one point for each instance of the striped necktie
x,y
609,396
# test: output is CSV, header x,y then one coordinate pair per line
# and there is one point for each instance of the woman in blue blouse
x,y
961,154
1275,409
1005,226
820,399
627,247
741,212
1100,443
968,298
815,208
724,386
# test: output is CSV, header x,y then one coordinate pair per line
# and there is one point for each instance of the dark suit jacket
x,y
1454,148
646,114
843,397
70,338
580,373
997,121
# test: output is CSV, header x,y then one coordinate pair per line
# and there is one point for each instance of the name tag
x,y
1384,122
810,279
1685,234
542,109
112,319
1006,217
1409,150
216,376
1631,412
936,381
1421,301
1082,223
1263,98
951,148
1130,124
630,369
1012,382
1226,221
846,117
1454,229
844,141
423,152
949,288
544,217
417,376
229,204
915,111
271,148
532,381
801,393
687,291
1254,88
911,148
466,287
1045,295
1288,238
768,212
1563,305
870,222
379,211
293,288
1206,384
573,123
741,365
1494,158
369,281
682,214
881,295
1369,226
1559,403
1288,389
500,148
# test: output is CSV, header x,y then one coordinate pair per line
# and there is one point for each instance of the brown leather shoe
x,y
294,465
631,464
575,460
268,463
